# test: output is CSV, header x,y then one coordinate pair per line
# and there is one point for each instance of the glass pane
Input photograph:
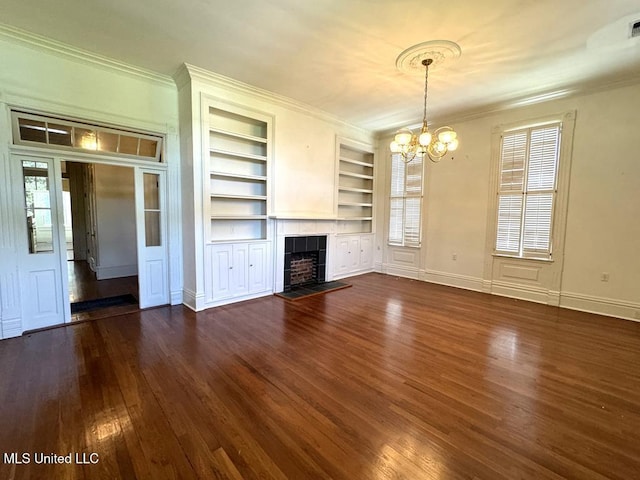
x,y
59,134
108,142
151,193
148,148
85,138
38,206
128,145
152,228
32,130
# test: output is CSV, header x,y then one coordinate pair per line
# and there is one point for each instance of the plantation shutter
x,y
413,201
405,201
528,172
541,184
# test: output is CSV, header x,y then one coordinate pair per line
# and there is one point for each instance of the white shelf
x,y
355,190
238,217
356,175
251,138
239,142
257,178
355,204
228,153
239,197
356,162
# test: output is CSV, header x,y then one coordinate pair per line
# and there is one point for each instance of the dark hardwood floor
x,y
389,379
83,286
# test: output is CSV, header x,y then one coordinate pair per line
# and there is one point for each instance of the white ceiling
x,y
339,55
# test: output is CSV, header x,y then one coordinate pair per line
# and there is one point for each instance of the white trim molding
x,y
64,50
601,305
452,280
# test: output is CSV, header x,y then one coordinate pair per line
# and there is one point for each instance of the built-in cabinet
x,y
237,152
353,254
239,269
354,183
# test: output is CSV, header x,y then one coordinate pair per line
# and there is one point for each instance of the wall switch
x,y
604,277
454,257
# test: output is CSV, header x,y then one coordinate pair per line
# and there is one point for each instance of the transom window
x,y
30,129
527,189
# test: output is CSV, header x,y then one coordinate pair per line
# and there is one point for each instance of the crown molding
x,y
575,91
64,50
215,79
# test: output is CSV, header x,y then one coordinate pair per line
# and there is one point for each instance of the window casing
x,y
405,202
527,191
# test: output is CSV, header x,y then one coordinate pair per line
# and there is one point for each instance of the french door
x,y
42,256
44,290
153,273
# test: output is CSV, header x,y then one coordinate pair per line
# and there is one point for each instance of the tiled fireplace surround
x,y
288,229
305,260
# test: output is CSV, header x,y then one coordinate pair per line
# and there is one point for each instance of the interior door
x,y
153,273
42,257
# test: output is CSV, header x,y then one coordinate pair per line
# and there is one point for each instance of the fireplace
x,y
305,261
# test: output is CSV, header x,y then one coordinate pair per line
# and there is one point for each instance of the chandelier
x,y
434,145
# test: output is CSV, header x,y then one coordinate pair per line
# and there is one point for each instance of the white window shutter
x,y
528,175
405,201
509,223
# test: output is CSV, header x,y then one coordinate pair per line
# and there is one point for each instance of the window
x,y
405,203
527,189
29,129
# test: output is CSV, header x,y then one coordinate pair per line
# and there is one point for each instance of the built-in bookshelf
x,y
355,186
238,149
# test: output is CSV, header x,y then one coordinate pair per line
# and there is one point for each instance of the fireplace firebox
x,y
305,261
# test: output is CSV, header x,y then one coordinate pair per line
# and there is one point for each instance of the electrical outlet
x,y
454,257
604,277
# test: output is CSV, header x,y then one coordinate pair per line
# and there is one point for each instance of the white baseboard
x,y
176,297
522,292
227,301
352,274
11,328
603,306
400,271
452,280
192,300
104,273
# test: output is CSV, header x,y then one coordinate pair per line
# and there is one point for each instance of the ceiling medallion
x,y
439,51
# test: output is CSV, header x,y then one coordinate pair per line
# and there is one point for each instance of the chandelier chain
x,y
426,89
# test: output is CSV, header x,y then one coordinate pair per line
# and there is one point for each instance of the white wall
x,y
603,223
49,77
116,222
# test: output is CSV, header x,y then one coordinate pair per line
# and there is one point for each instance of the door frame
x,y
57,158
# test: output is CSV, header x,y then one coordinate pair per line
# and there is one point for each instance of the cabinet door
x,y
343,255
240,266
258,267
222,270
354,253
366,252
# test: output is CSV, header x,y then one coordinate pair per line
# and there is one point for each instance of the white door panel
x,y
153,275
42,261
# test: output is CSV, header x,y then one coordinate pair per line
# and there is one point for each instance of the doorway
x,y
116,244
100,238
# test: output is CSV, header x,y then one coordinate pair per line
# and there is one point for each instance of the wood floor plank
x,y
389,379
